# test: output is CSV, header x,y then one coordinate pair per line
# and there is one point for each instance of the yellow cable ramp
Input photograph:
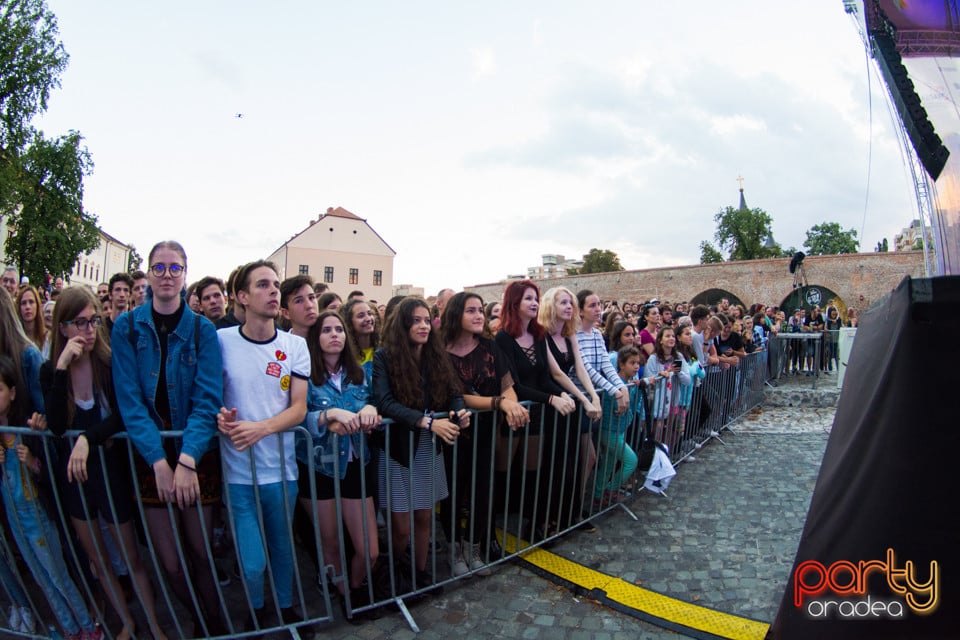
x,y
673,614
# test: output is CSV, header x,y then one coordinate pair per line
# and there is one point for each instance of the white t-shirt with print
x,y
256,381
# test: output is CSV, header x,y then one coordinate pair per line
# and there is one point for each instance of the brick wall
x,y
860,279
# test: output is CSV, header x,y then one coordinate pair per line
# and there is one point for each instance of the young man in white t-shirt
x,y
265,375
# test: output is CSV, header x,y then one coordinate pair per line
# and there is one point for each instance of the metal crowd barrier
x,y
792,353
509,490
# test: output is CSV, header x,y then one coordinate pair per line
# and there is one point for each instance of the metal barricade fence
x,y
506,491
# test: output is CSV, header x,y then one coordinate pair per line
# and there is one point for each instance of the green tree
x,y
41,180
829,239
600,261
134,260
709,253
31,61
50,227
745,234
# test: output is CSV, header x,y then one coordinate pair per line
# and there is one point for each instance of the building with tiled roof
x,y
343,251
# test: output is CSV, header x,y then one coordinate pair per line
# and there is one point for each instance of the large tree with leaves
x,y
41,180
830,239
51,227
743,234
600,261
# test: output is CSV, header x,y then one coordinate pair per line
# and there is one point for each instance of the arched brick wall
x,y
859,278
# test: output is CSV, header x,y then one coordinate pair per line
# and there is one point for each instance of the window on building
x,y
377,278
304,270
354,276
328,274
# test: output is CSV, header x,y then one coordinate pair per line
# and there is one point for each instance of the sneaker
x,y
96,634
27,623
458,566
586,526
13,618
223,578
476,560
690,459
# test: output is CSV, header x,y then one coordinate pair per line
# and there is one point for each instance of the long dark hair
x,y
404,367
451,322
349,359
346,312
70,304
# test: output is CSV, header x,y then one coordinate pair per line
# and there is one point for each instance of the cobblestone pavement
x,y
725,538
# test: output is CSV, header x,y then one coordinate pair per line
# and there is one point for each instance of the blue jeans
x,y
9,585
39,544
277,521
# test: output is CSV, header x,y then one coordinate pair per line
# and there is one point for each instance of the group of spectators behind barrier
x,y
813,354
519,508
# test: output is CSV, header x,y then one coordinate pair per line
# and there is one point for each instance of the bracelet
x,y
186,466
496,402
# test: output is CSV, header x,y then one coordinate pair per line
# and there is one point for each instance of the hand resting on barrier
x,y
77,464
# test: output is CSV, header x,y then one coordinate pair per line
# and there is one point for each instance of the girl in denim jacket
x,y
338,405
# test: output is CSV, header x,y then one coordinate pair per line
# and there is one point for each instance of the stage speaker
x,y
928,145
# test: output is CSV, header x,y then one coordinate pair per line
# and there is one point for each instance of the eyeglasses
x,y
175,270
82,323
9,281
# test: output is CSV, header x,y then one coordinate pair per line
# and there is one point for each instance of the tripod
x,y
800,280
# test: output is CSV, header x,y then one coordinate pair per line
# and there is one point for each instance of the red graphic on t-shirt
x,y
281,356
275,370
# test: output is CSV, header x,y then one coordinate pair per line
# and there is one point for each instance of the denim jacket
x,y
325,447
30,363
194,380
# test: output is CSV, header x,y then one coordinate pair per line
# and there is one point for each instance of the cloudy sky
x,y
475,137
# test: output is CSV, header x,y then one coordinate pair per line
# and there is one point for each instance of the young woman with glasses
x,y
79,395
168,374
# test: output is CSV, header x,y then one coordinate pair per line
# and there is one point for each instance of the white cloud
x,y
484,62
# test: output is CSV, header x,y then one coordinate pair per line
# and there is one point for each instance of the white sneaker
x,y
13,619
476,560
457,564
27,623
690,459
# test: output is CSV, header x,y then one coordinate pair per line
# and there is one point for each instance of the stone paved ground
x,y
725,538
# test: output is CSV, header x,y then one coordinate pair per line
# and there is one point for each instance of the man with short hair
x,y
265,373
298,304
235,314
320,288
699,316
213,301
355,295
119,287
11,281
103,289
139,288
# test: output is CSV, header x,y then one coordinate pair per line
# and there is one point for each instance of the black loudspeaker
x,y
878,557
928,145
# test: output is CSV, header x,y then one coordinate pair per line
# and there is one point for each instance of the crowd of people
x,y
526,404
